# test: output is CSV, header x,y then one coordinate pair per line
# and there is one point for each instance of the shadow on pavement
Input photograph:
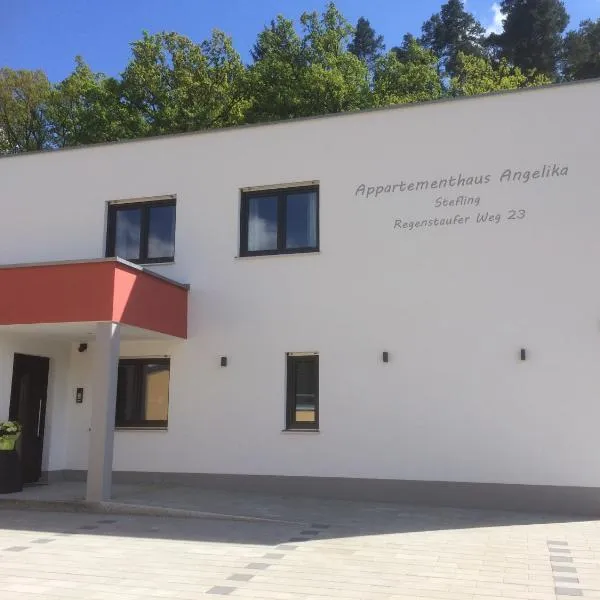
x,y
271,519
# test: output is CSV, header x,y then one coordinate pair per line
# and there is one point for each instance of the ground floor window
x,y
302,391
143,392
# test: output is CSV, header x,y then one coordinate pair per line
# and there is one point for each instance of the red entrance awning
x,y
95,290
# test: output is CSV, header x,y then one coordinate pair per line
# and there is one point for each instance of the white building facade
x,y
398,304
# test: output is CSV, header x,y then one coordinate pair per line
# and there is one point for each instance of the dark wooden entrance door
x,y
28,407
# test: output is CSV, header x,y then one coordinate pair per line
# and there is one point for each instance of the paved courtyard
x,y
311,549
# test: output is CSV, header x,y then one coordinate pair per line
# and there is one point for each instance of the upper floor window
x,y
142,232
283,221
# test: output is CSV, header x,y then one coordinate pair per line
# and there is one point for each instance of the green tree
x,y
451,31
177,85
296,76
227,87
366,44
4,145
582,51
532,35
415,78
23,103
275,77
411,50
86,108
335,80
476,75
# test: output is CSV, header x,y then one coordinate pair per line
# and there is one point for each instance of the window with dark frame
x,y
279,221
302,391
142,232
143,393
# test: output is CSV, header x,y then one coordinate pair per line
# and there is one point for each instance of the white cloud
x,y
496,25
262,233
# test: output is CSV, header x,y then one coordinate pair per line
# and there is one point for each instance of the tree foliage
x,y
176,85
532,34
317,65
24,99
85,108
335,79
275,77
402,52
582,51
451,31
366,44
4,143
413,78
301,75
477,75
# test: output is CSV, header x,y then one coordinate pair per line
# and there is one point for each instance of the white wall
x,y
131,447
452,305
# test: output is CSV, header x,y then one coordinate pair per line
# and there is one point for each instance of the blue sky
x,y
47,34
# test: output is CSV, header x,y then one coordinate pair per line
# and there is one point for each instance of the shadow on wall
x,y
145,301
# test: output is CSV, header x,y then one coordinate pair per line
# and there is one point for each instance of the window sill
x,y
142,262
278,255
313,431
141,429
155,264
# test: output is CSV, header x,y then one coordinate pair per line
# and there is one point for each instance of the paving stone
x,y
258,566
567,591
240,577
368,552
557,543
221,590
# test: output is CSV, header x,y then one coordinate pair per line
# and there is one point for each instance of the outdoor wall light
x,y
223,361
82,348
385,357
523,354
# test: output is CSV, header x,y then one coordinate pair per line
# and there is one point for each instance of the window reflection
x,y
303,391
161,231
262,223
128,233
142,393
301,220
280,221
142,232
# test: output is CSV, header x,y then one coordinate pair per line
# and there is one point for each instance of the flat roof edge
x,y
234,128
83,261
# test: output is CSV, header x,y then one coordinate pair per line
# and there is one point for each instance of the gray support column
x,y
104,399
